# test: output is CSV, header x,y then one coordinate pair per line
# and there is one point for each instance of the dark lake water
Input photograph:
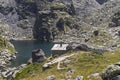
x,y
24,49
101,1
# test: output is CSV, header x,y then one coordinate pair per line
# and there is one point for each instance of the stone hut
x,y
59,49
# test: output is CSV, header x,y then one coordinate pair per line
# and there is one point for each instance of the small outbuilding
x,y
59,49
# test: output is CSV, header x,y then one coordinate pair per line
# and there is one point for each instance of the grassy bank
x,y
5,44
84,64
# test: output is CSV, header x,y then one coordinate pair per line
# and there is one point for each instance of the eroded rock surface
x,y
62,20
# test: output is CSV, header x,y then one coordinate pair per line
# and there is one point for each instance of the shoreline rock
x,y
10,73
111,72
37,56
6,57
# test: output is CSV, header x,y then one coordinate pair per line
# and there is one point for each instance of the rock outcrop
x,y
76,21
19,16
7,52
10,73
52,77
6,57
59,17
38,55
112,72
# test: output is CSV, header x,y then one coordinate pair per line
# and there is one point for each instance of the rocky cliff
x,y
60,16
94,23
19,16
91,22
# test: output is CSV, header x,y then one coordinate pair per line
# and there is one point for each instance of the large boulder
x,y
115,21
79,78
38,55
112,72
116,78
52,77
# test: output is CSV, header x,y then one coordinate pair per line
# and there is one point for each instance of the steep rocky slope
x,y
79,21
20,16
91,22
61,16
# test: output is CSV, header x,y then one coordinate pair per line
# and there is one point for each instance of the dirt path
x,y
57,60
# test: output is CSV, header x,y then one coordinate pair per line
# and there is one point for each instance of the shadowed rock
x,y
38,55
112,72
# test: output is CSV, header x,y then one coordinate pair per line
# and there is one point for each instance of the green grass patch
x,y
102,38
84,64
4,44
58,6
2,79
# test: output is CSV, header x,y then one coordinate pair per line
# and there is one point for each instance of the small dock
x,y
59,48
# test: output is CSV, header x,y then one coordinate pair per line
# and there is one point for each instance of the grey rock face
x,y
62,20
50,12
84,8
6,57
8,11
86,16
111,72
16,14
115,20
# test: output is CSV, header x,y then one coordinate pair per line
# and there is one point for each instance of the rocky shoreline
x,y
7,54
10,73
5,60
6,57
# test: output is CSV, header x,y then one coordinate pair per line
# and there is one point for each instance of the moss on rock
x,y
4,44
